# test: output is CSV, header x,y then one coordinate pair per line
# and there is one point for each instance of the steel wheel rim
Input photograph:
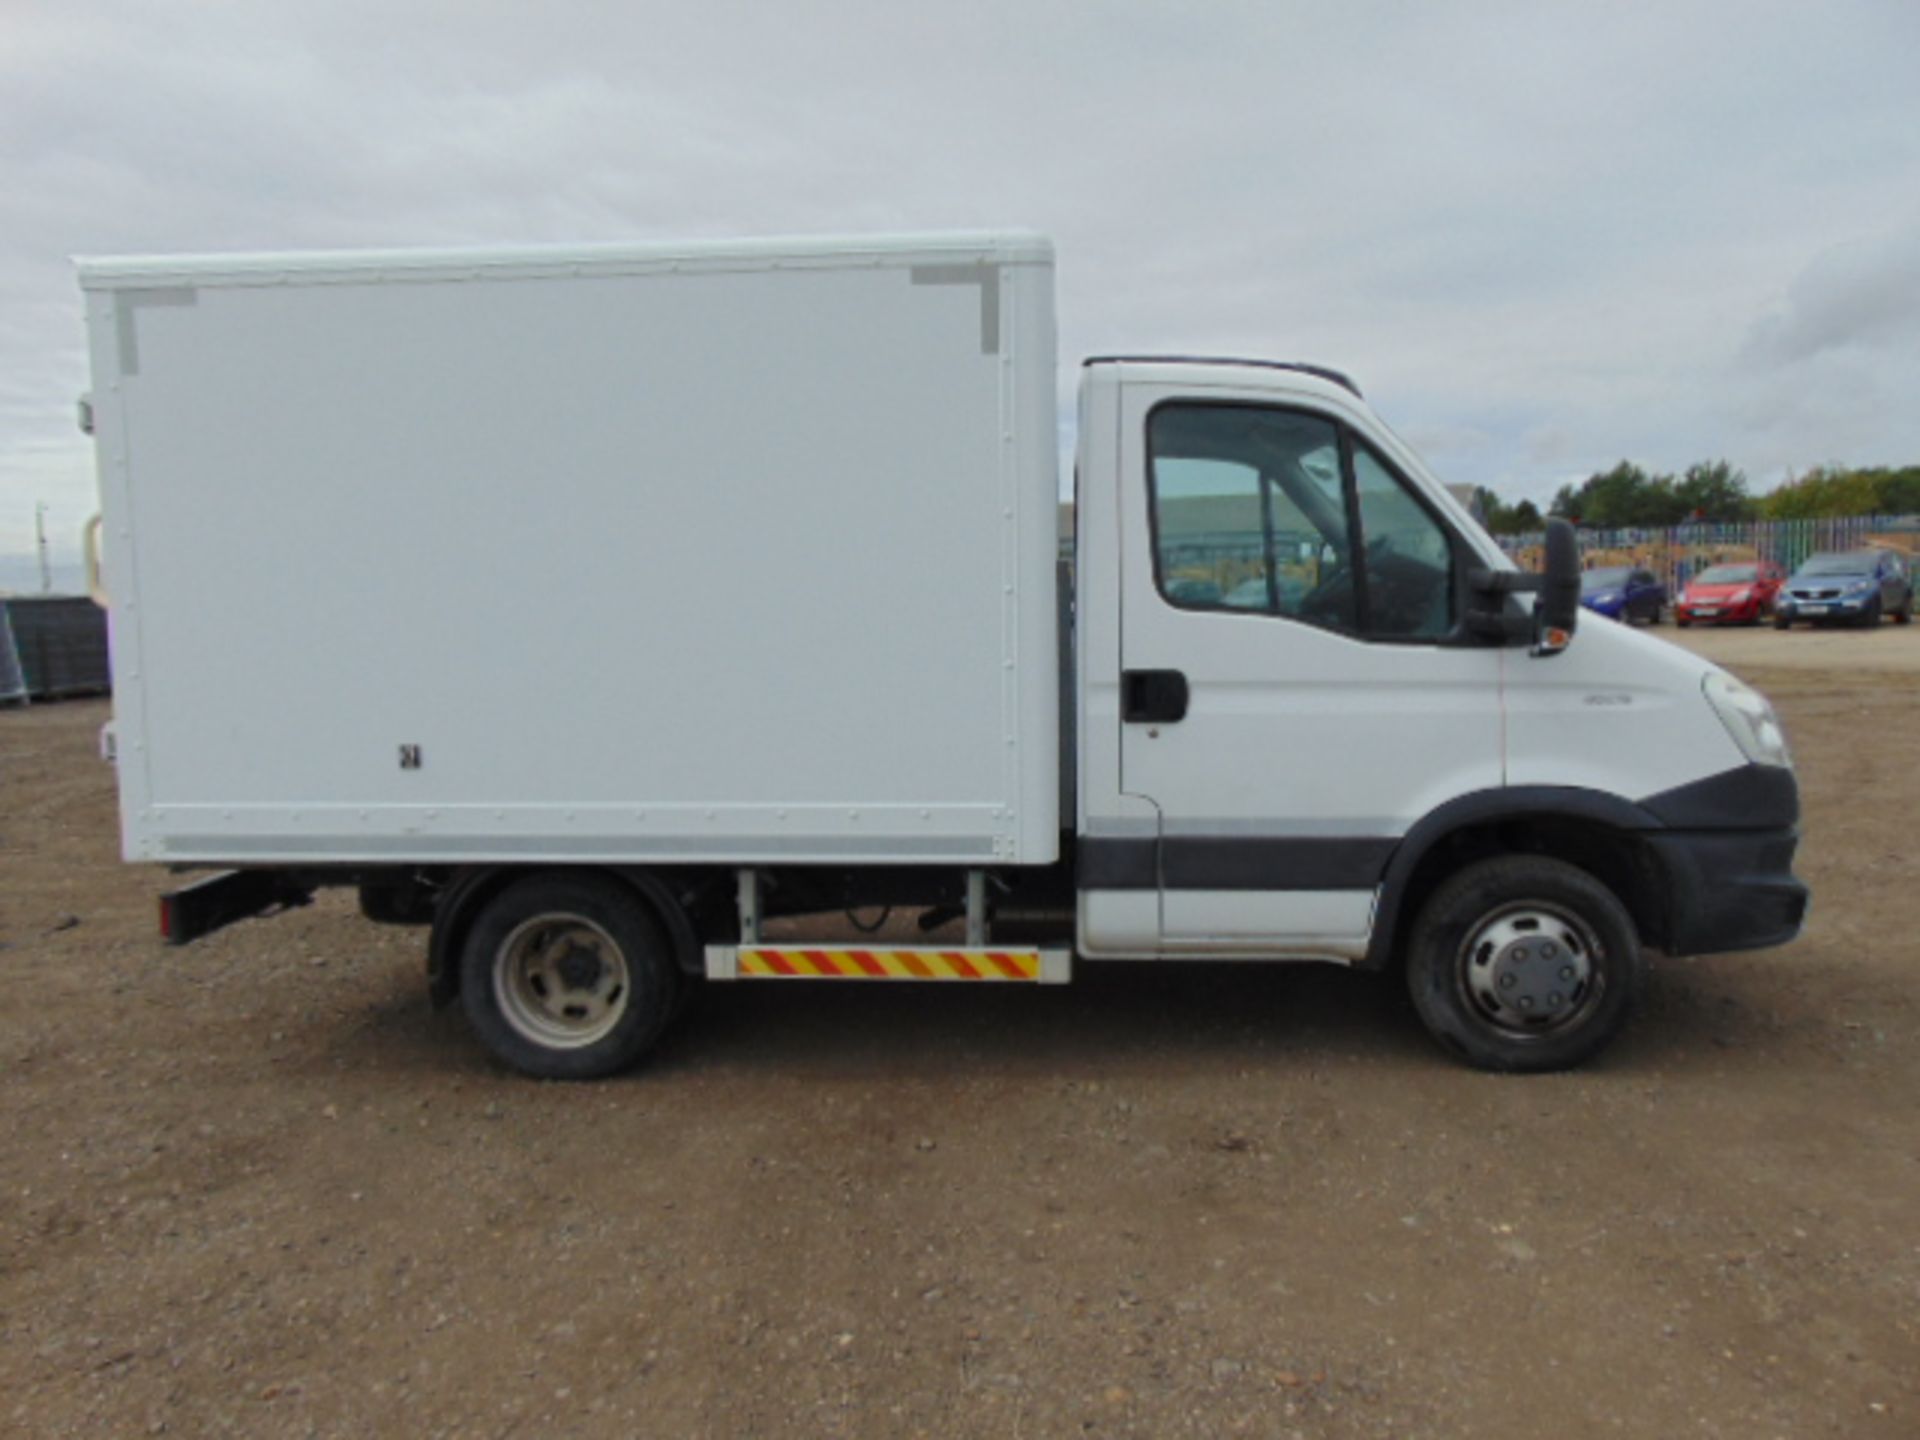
x,y
561,981
1531,970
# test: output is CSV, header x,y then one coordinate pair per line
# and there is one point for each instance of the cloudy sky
x,y
1544,236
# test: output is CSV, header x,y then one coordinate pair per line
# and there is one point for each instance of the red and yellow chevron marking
x,y
783,964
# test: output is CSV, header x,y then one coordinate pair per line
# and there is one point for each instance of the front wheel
x,y
1524,963
568,976
1904,615
1781,622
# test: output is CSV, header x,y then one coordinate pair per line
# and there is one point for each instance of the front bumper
x,y
1717,612
1726,848
1730,889
1844,607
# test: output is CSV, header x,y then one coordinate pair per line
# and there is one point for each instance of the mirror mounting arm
x,y
1504,582
1550,627
1496,622
1501,627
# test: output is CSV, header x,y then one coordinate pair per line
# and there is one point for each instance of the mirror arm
x,y
1555,611
1504,582
1497,623
1503,628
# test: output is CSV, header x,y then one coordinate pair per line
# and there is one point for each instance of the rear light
x,y
166,917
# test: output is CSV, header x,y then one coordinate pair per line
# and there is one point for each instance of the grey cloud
x,y
1539,233
1865,294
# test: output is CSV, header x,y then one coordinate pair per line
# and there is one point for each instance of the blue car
x,y
1856,586
1624,592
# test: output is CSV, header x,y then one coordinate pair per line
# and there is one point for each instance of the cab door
x,y
1893,585
1645,597
1297,686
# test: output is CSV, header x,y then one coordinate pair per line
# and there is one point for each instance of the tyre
x,y
1781,622
1904,615
1524,963
568,976
1870,616
1681,621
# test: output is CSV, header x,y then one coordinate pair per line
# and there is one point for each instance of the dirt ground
x,y
258,1187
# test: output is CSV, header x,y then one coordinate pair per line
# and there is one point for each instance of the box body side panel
x,y
729,564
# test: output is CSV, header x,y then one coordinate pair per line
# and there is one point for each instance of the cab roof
x,y
1298,367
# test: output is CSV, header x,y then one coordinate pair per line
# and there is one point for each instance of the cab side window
x,y
1248,513
1409,556
1268,511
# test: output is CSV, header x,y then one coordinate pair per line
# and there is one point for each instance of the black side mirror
x,y
1558,609
1549,630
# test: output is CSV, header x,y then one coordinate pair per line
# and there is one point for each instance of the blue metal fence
x,y
1677,552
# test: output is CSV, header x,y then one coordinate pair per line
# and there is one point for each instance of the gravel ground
x,y
256,1186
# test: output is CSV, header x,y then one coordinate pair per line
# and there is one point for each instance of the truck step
x,y
989,963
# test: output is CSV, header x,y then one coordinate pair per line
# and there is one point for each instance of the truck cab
x,y
1311,713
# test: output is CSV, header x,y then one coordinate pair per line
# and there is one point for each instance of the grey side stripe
x,y
1231,862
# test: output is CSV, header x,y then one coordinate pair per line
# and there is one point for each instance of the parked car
x,y
1856,586
1740,594
1624,592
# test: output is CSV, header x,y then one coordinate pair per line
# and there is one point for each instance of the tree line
x,y
1628,497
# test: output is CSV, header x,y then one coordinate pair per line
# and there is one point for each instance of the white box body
x,y
736,553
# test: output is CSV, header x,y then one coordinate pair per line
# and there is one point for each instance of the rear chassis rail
x,y
437,896
217,901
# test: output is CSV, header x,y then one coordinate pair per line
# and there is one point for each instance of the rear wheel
x,y
568,976
1524,963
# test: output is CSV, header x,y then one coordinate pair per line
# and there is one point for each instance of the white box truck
x,y
595,606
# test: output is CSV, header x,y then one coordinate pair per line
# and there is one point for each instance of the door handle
x,y
1152,696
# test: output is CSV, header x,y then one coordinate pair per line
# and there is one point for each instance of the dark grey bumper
x,y
1730,889
1728,856
1821,609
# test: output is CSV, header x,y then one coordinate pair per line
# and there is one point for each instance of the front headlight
x,y
1749,719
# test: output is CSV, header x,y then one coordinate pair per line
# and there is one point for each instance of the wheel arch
x,y
1600,833
473,889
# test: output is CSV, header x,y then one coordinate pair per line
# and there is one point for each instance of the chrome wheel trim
x,y
560,980
1531,970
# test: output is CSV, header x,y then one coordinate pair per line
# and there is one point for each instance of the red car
x,y
1742,593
